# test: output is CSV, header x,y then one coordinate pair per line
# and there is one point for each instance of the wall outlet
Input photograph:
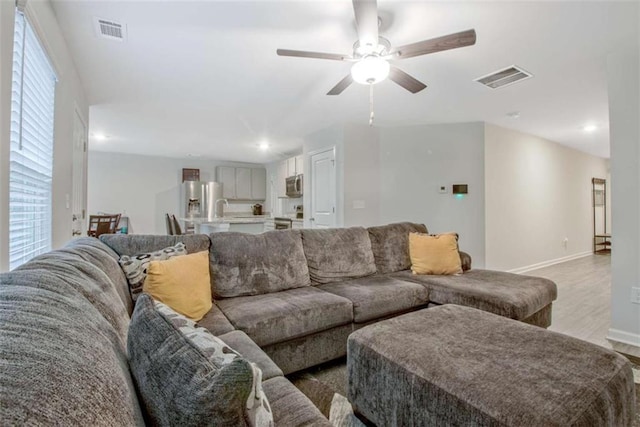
x,y
359,204
565,242
442,189
635,295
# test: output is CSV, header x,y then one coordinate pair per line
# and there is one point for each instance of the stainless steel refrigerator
x,y
199,199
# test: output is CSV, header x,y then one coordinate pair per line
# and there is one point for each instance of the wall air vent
x,y
504,77
109,29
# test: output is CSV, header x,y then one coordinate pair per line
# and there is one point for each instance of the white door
x,y
79,178
323,189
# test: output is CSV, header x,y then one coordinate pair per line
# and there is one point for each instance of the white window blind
x,y
31,149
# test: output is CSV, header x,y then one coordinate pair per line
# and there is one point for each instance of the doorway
x,y
79,177
323,189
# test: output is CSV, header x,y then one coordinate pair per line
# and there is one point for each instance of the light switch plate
x,y
359,204
635,295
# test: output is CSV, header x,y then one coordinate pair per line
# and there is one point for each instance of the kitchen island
x,y
253,224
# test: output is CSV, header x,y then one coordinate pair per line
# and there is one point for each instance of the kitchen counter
x,y
254,219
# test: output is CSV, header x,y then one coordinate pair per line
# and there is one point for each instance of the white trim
x,y
624,342
549,262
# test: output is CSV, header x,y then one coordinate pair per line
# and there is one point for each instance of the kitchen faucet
x,y
226,202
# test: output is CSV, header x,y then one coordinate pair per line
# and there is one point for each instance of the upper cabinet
x,y
242,183
283,174
295,166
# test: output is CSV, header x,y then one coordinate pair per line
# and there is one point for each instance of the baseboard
x,y
550,262
624,342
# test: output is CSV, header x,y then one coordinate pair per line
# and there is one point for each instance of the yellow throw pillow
x,y
182,283
437,254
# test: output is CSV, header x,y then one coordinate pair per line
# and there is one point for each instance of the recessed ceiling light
x,y
590,128
514,115
264,146
99,137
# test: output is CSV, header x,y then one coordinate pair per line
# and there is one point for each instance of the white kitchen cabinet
x,y
281,185
255,228
299,164
291,166
258,184
242,183
297,225
227,177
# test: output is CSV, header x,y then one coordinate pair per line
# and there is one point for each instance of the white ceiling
x,y
202,78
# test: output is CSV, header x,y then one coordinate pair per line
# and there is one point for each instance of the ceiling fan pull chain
x,y
370,104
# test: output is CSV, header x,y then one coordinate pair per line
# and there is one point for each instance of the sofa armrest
x,y
465,259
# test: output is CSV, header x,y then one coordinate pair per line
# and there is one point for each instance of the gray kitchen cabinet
x,y
242,183
258,184
227,177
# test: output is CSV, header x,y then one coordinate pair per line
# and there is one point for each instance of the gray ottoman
x,y
453,365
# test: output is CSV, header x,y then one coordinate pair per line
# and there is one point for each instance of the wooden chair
x,y
102,224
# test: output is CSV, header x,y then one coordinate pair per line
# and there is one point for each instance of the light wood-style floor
x,y
583,307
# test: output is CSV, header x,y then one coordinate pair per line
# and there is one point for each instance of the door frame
x,y
309,182
85,173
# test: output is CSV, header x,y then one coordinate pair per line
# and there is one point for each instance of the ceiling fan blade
x,y
341,86
452,41
307,54
405,80
366,12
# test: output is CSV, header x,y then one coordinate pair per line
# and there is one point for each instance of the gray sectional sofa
x,y
286,300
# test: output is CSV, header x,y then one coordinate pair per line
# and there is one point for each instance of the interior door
x,y
323,189
79,177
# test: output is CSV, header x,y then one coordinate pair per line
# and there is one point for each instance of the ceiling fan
x,y
372,53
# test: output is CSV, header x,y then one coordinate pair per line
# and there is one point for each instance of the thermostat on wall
x,y
460,189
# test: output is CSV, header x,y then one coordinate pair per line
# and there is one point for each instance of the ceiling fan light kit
x,y
372,53
370,70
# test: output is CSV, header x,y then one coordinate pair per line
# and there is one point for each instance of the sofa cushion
x,y
379,296
291,407
506,294
185,377
281,316
125,244
390,245
254,264
62,360
240,342
338,254
182,283
216,322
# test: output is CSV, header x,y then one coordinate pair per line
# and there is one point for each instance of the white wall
x,y
416,160
623,70
361,176
69,97
537,194
145,188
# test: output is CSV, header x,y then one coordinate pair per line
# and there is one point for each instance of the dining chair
x,y
102,224
169,224
177,230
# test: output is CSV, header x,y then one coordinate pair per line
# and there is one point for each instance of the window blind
x,y
31,146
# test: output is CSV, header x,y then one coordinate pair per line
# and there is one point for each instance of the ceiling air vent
x,y
109,29
504,77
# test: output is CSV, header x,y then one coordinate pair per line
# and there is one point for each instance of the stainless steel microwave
x,y
294,186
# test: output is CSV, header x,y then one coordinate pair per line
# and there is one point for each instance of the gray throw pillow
x,y
181,380
135,267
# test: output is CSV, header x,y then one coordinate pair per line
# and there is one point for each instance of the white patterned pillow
x,y
258,412
135,267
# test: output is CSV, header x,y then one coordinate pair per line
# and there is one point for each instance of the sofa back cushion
x,y
63,338
134,244
338,254
254,264
390,245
